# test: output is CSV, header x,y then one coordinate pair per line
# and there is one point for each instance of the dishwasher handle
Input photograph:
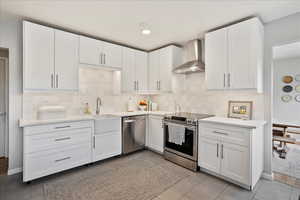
x,y
129,121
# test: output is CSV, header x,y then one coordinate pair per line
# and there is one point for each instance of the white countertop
x,y
35,122
235,122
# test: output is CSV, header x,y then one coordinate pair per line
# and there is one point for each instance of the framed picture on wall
x,y
240,109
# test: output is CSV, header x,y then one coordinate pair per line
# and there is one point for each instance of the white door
x,y
216,64
2,107
153,70
209,154
141,70
90,51
156,134
128,70
38,59
66,60
106,145
112,55
235,162
165,67
239,56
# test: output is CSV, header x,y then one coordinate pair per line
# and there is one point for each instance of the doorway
x,y
286,113
3,111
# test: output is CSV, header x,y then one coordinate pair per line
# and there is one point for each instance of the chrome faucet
x,y
98,104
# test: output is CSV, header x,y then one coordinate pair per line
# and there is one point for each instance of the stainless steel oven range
x,y
181,138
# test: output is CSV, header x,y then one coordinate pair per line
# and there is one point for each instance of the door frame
x,y
6,105
271,93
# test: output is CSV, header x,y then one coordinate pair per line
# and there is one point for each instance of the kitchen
x,y
114,99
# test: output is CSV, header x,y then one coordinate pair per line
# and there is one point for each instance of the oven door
x,y
181,139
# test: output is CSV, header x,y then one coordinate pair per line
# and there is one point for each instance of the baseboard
x,y
14,171
267,176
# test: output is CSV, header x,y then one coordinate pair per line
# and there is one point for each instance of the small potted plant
x,y
143,105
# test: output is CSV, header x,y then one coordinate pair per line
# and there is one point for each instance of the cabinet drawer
x,y
57,139
57,127
234,136
107,125
44,163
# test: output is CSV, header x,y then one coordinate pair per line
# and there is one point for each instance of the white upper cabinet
x,y
153,68
216,59
99,53
90,51
112,55
128,70
141,71
66,60
234,56
134,71
38,57
50,58
161,64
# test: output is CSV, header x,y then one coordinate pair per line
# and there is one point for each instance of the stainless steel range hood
x,y
192,57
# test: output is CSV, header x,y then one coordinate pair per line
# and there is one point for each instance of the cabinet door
x,y
235,162
242,70
106,145
209,154
216,64
90,51
153,70
141,70
112,55
128,70
66,60
156,134
38,58
165,66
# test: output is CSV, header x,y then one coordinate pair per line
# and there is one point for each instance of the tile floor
x,y
143,175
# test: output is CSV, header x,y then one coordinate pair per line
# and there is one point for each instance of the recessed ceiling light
x,y
145,29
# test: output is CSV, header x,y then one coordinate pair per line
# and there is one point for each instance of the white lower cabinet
x,y
107,140
52,148
232,153
106,146
155,134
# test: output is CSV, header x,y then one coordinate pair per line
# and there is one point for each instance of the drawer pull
x,y
217,150
66,158
61,139
59,127
222,153
220,133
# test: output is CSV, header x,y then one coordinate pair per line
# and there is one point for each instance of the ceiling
x,y
291,50
170,21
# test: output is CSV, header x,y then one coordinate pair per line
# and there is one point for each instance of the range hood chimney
x,y
192,57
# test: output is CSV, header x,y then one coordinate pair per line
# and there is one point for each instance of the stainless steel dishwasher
x,y
133,133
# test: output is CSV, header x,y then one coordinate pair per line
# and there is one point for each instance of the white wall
x,y
11,38
285,111
282,31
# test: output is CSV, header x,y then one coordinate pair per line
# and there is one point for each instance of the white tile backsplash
x,y
189,92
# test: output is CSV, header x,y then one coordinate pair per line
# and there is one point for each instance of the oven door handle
x,y
183,125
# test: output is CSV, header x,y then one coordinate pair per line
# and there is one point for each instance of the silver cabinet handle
x,y
129,121
159,84
104,58
224,80
56,80
66,158
52,80
218,132
217,150
94,142
60,127
228,80
100,58
222,153
134,86
61,139
137,85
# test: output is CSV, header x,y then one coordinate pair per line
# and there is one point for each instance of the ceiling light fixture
x,y
145,29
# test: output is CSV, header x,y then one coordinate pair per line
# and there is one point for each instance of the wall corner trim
x,y
14,171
